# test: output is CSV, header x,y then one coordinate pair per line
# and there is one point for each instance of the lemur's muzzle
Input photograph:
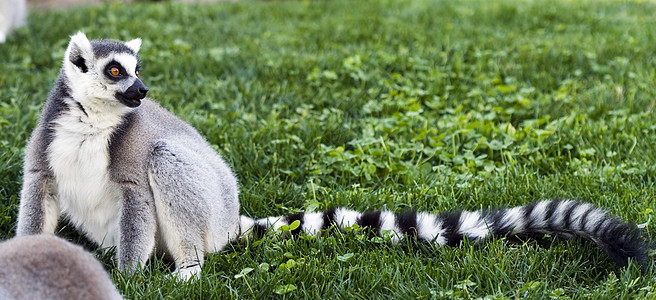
x,y
133,95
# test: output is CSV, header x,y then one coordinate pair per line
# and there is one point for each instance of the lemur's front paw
x,y
186,273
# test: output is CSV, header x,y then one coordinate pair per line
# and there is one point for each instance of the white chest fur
x,y
79,158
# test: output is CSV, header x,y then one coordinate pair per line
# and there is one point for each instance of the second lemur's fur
x,y
130,174
47,267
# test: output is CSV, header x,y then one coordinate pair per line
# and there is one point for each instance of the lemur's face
x,y
104,73
120,74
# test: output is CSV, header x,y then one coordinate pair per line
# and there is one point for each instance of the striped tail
x,y
568,218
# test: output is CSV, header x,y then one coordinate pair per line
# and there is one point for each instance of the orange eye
x,y
136,73
114,71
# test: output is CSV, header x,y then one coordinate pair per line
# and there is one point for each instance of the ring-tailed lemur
x,y
47,267
130,174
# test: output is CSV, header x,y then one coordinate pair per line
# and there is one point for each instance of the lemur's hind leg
x,y
182,190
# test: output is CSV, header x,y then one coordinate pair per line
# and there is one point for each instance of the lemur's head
x,y
104,71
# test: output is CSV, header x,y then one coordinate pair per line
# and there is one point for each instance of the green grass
x,y
436,105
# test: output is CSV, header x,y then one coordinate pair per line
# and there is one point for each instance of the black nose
x,y
136,91
134,94
143,90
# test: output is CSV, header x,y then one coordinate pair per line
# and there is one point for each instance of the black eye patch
x,y
110,71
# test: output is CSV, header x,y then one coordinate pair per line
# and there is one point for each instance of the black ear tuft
x,y
78,60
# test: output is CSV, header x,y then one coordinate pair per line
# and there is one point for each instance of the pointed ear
x,y
79,51
135,44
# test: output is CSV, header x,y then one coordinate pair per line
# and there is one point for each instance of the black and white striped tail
x,y
620,240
